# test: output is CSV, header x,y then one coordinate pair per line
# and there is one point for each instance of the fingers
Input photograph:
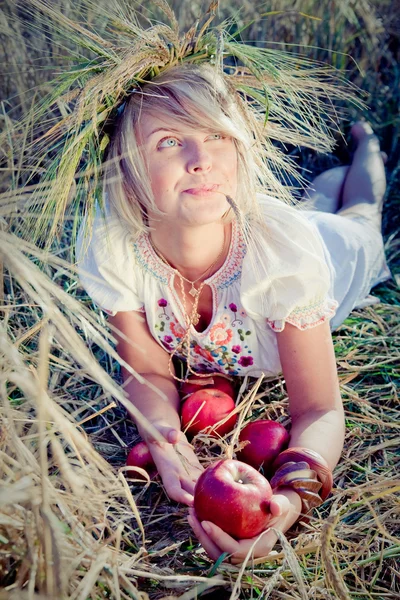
x,y
177,464
238,549
173,436
170,435
213,549
260,548
215,541
279,505
177,486
178,468
223,540
177,493
188,485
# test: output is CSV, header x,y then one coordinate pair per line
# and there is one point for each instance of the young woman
x,y
193,260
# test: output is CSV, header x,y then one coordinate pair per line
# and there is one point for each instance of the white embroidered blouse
x,y
282,277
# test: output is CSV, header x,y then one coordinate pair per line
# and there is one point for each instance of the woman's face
x,y
191,171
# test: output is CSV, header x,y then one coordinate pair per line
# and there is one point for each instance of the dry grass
x,y
71,524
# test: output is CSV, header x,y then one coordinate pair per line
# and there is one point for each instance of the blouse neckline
x,y
229,271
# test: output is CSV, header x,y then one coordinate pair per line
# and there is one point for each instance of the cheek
x,y
231,166
161,175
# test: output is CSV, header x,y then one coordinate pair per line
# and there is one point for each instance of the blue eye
x,y
216,136
169,142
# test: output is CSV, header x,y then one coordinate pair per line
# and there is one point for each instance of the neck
x,y
192,250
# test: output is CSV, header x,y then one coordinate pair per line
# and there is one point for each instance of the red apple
x,y
235,497
266,439
218,382
139,456
205,408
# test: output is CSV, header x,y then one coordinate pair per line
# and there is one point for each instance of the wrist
x,y
290,508
305,472
293,497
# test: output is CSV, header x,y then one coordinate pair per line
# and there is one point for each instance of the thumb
x,y
173,436
279,504
170,435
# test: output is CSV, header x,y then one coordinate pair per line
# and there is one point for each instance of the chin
x,y
207,214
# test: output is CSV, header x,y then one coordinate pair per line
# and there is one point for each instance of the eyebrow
x,y
170,129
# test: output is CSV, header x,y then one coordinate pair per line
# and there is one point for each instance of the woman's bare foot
x,y
365,183
360,130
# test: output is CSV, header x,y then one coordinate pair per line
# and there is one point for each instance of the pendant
x,y
196,319
193,292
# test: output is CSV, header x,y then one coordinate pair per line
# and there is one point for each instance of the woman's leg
x,y
324,192
365,183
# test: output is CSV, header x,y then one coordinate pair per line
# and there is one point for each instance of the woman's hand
x,y
176,464
285,508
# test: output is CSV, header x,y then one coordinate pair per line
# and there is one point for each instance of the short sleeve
x,y
106,264
286,277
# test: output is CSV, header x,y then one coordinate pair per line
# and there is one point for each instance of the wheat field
x,y
74,524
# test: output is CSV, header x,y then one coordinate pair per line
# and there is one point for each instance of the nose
x,y
199,159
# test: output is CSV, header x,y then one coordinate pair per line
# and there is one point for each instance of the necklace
x,y
194,292
194,317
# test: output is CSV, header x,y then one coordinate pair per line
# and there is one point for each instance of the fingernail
x,y
172,436
206,526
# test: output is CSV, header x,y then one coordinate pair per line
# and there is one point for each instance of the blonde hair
x,y
198,96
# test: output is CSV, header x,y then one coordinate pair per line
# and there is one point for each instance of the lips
x,y
201,190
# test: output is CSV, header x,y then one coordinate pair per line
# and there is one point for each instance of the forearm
x,y
174,457
322,432
159,411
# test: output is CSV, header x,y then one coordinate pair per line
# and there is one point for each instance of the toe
x,y
361,129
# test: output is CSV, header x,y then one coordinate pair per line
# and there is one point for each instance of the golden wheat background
x,y
72,526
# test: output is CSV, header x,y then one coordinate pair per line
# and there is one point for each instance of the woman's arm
x,y
316,409
176,462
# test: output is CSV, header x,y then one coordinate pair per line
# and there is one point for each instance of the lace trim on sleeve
x,y
112,313
306,317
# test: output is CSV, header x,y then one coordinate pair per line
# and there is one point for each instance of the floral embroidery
x,y
217,357
243,334
219,334
166,341
204,353
151,263
215,351
162,303
232,269
164,316
245,361
234,309
307,317
220,347
177,330
225,360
